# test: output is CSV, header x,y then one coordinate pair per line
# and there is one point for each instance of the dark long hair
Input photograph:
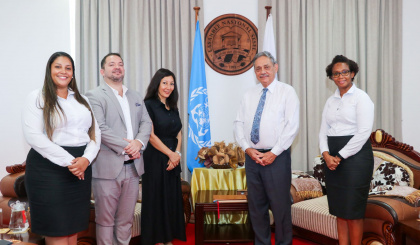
x,y
153,89
49,93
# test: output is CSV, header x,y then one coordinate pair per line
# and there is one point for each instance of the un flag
x,y
198,107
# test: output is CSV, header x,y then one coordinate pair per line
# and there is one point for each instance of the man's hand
x,y
78,167
135,156
268,158
133,147
255,155
332,162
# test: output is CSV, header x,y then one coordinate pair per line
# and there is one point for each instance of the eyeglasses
x,y
344,73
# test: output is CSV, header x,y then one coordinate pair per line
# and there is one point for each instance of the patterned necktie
x,y
255,131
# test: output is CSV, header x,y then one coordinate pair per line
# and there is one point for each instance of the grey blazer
x,y
107,110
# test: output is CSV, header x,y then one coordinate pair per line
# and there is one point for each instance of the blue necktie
x,y
255,131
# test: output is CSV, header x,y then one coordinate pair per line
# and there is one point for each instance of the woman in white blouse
x,y
59,126
347,122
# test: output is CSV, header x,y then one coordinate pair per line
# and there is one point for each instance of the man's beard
x,y
116,79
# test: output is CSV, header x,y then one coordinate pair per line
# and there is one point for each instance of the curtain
x,y
309,33
148,34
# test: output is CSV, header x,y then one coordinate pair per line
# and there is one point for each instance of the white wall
x,y
225,92
410,74
31,30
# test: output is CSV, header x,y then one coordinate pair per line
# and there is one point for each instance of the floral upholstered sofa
x,y
393,192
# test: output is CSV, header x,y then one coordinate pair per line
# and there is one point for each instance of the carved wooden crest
x,y
382,139
231,42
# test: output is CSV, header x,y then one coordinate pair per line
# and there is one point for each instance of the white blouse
x,y
351,114
71,129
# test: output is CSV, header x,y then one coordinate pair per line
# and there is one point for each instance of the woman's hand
x,y
78,167
174,158
171,166
332,162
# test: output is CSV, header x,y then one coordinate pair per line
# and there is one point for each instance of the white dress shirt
x,y
279,120
71,129
125,107
351,114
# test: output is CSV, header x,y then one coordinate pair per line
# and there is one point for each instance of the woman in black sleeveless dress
x,y
347,122
162,216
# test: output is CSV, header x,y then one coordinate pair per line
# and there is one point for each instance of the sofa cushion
x,y
307,187
401,191
389,172
313,215
318,166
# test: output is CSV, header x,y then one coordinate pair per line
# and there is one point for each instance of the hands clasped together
x,y
78,167
263,159
174,159
332,162
133,148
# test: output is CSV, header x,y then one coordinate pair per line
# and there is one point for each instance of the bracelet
x,y
179,153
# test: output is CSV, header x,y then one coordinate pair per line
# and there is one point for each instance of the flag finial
x,y
196,9
268,9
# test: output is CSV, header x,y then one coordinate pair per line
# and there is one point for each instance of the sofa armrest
x,y
391,209
382,216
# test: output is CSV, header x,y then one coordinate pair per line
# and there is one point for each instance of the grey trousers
x,y
115,201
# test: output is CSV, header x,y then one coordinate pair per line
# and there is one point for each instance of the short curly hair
x,y
342,59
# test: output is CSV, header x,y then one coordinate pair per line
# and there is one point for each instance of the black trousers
x,y
269,187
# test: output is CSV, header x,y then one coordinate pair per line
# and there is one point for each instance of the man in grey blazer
x,y
125,126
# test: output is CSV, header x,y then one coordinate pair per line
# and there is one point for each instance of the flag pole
x,y
196,13
269,43
267,8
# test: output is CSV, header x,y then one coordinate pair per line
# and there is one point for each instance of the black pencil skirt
x,y
59,201
348,185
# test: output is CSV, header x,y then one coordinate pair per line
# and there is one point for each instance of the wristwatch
x,y
179,153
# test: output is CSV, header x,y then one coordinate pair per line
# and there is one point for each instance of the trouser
x,y
269,187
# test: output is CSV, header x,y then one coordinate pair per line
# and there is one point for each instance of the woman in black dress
x,y
59,126
162,216
347,122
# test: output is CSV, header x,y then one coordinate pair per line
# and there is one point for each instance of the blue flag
x,y
198,106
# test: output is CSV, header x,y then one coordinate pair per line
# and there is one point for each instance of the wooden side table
x,y
216,232
410,228
218,179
